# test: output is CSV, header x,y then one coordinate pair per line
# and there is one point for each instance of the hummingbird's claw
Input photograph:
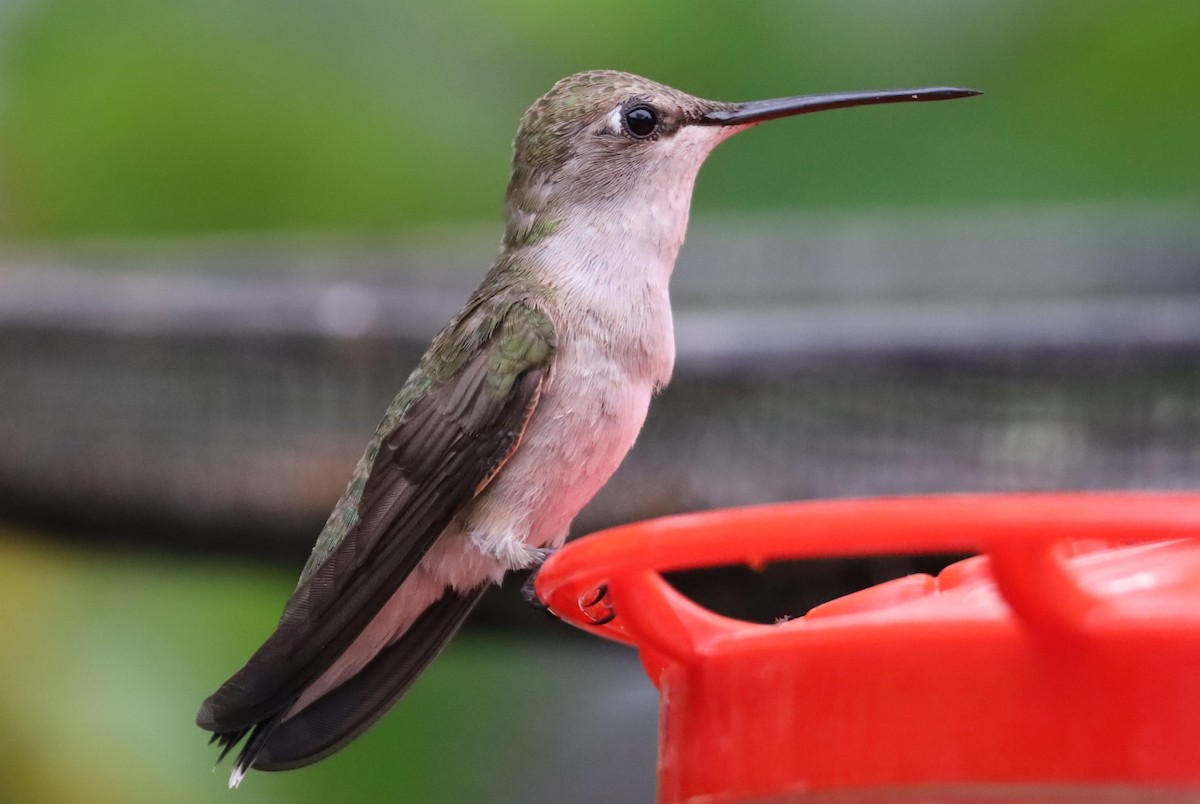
x,y
529,593
599,597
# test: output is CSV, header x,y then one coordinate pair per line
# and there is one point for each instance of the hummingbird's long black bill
x,y
743,114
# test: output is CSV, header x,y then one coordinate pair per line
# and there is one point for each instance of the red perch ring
x,y
1066,656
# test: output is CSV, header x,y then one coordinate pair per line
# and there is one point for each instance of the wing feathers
x,y
447,444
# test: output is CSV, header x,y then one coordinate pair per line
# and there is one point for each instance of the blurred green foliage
x,y
139,116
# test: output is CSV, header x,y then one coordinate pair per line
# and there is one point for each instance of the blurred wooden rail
x,y
203,397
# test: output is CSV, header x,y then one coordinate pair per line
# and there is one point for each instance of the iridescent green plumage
x,y
526,339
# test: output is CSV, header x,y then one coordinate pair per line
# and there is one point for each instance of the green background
x,y
373,119
139,116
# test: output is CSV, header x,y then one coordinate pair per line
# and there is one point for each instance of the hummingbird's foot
x,y
599,599
512,552
529,593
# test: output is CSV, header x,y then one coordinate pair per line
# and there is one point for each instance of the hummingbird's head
x,y
598,132
603,137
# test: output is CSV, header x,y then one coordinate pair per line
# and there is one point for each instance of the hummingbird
x,y
520,410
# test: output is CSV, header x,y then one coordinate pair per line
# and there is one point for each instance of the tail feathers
x,y
336,718
285,741
228,740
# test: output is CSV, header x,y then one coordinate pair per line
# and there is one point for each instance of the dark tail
x,y
343,713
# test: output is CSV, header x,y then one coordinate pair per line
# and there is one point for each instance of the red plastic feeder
x,y
1061,664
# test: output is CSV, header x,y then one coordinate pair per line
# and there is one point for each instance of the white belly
x,y
577,440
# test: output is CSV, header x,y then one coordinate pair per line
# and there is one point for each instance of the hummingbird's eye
x,y
641,121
